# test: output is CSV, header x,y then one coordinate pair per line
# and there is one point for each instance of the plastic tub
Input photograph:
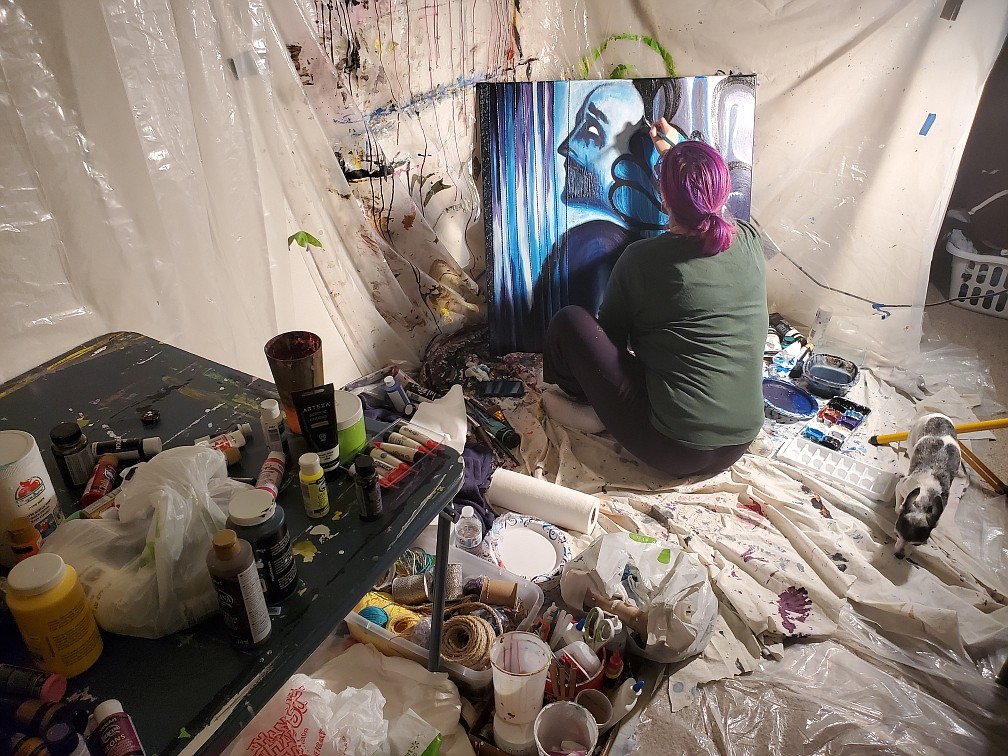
x,y
472,566
981,281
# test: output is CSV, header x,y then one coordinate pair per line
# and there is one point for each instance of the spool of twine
x,y
466,640
399,619
421,633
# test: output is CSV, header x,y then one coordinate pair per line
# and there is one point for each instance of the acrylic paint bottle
x,y
366,486
53,615
25,682
102,480
114,733
239,592
397,396
233,440
20,744
271,473
72,454
255,517
36,717
25,540
272,424
128,449
349,425
313,486
25,489
63,740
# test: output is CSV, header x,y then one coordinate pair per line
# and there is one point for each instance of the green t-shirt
x,y
698,324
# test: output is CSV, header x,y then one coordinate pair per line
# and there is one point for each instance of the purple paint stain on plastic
x,y
748,555
793,605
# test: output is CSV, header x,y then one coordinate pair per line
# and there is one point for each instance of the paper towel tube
x,y
563,507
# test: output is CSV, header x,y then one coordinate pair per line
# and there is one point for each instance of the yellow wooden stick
x,y
982,470
980,425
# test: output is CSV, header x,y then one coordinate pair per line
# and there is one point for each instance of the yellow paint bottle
x,y
53,615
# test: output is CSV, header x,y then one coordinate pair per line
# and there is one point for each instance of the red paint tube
x,y
102,479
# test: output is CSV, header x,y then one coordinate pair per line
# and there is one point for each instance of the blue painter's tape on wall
x,y
927,124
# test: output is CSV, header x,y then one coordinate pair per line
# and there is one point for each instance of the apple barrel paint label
x,y
25,489
36,499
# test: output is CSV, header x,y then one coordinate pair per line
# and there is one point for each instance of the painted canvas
x,y
567,170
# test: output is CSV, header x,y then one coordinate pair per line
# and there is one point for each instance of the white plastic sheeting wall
x,y
155,156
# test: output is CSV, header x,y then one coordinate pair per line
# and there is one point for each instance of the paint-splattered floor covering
x,y
850,649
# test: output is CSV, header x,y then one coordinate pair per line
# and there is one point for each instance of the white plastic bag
x,y
145,574
305,717
665,582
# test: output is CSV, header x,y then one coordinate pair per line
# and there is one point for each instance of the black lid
x,y
61,739
65,433
363,464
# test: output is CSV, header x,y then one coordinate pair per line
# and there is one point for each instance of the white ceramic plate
x,y
526,546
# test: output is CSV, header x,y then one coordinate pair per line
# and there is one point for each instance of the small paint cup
x,y
563,723
349,425
598,705
519,662
295,360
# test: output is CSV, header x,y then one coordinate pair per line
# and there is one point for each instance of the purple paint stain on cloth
x,y
793,605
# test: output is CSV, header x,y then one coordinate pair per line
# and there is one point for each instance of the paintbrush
x,y
661,135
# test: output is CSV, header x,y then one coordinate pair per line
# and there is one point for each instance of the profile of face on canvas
x,y
568,183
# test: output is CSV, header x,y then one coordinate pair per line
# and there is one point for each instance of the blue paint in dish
x,y
787,403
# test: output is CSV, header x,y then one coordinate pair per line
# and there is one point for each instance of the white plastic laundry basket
x,y
981,278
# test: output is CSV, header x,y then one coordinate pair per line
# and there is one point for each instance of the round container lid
x,y
37,574
310,463
468,511
152,446
65,433
363,463
349,409
14,444
106,709
271,407
61,739
251,507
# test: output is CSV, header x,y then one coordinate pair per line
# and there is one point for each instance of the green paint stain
x,y
641,538
584,67
665,556
623,71
183,734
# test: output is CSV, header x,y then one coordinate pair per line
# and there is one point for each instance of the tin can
x,y
26,490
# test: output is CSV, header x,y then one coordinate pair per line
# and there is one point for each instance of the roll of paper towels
x,y
563,507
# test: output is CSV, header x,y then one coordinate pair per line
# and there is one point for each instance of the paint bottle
x,y
63,740
25,540
72,453
239,592
114,733
233,440
25,489
128,449
272,424
255,517
53,615
313,486
787,333
26,745
102,480
366,486
25,682
397,396
349,425
35,717
613,671
271,473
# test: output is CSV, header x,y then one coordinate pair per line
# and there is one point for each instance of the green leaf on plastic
x,y
303,238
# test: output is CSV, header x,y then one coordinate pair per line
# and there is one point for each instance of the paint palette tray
x,y
834,423
869,480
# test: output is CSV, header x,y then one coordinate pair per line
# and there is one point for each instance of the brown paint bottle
x,y
239,591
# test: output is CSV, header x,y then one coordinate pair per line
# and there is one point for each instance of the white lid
x,y
389,380
245,428
467,511
36,574
106,709
14,444
152,446
251,507
349,409
270,408
310,463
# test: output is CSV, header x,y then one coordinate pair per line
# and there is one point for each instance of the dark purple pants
x,y
582,360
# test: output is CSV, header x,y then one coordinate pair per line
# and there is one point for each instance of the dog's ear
x,y
901,501
935,506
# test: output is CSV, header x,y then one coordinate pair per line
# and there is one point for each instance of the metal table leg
x,y
445,520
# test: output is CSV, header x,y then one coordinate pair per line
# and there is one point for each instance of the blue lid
x,y
786,402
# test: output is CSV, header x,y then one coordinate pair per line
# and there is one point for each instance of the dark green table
x,y
193,691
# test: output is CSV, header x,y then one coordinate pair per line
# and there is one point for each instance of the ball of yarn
x,y
421,633
374,614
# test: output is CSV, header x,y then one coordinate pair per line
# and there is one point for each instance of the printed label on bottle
x,y
116,736
316,497
273,436
276,565
469,537
78,465
244,607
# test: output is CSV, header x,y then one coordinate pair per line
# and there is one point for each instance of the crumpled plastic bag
x,y
145,574
305,717
667,583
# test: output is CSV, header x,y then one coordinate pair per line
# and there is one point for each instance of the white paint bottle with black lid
x,y
239,593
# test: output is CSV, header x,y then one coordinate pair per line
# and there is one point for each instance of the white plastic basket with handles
x,y
980,280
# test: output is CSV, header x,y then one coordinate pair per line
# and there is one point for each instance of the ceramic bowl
x,y
828,375
787,403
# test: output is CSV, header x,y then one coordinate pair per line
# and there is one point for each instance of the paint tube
x,y
128,449
316,411
233,440
407,454
271,473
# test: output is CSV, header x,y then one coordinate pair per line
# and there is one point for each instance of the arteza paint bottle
x,y
114,733
313,486
72,454
255,517
53,615
239,591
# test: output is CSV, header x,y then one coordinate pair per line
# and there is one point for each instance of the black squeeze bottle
x,y
239,592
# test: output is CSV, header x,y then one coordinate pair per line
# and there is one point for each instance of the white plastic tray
x,y
472,566
848,472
